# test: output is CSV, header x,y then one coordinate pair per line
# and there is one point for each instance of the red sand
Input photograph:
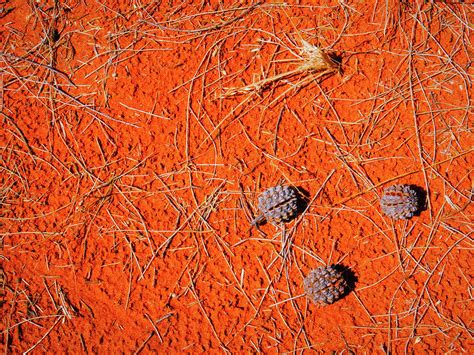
x,y
117,138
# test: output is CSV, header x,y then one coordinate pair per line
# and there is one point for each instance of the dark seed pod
x,y
325,285
277,204
400,201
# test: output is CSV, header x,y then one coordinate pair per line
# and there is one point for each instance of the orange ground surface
x,y
132,163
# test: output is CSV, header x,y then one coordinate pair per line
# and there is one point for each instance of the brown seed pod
x,y
325,285
400,201
277,204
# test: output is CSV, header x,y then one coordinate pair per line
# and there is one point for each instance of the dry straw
x,y
310,60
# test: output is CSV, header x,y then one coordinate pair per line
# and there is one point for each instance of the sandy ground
x,y
137,136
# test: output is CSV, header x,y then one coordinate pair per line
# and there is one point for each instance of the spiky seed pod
x,y
400,202
325,285
277,204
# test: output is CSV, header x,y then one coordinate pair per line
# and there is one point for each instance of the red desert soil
x,y
135,145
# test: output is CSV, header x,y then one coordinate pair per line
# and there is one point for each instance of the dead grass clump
x,y
310,60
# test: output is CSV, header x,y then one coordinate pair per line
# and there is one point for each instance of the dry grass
x,y
281,75
311,60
